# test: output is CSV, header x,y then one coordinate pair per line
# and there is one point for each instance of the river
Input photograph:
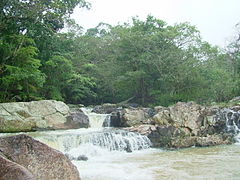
x,y
219,162
120,155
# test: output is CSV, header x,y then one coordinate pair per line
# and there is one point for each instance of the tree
x,y
37,17
28,31
20,77
155,63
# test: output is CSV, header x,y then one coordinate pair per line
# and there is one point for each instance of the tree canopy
x,y
147,61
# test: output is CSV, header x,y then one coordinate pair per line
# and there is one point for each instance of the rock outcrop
x,y
37,115
34,160
173,137
134,116
188,124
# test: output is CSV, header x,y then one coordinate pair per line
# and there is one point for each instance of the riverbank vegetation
x,y
147,61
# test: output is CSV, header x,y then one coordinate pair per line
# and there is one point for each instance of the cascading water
x,y
106,138
97,150
232,121
111,140
95,120
100,146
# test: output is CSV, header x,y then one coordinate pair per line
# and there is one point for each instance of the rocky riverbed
x,y
182,125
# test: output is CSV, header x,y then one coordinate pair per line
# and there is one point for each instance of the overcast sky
x,y
214,18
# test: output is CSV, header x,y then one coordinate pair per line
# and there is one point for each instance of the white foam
x,y
95,120
115,165
237,138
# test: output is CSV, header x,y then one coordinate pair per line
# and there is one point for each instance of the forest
x,y
44,54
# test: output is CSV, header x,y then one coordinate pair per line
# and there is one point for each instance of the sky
x,y
215,19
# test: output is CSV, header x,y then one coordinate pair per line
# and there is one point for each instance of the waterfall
x,y
111,140
107,121
95,120
232,121
95,139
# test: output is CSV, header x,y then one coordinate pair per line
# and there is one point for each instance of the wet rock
x,y
128,147
213,140
116,119
39,159
79,158
163,135
77,119
185,142
210,140
172,137
82,158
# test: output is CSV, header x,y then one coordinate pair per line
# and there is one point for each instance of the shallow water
x,y
219,162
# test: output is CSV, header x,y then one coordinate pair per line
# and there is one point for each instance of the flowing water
x,y
114,154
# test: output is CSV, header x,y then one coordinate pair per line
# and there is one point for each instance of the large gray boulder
x,y
43,162
35,115
188,115
135,116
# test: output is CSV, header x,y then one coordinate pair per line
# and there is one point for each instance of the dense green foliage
x,y
149,62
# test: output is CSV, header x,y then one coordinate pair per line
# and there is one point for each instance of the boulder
x,y
198,141
183,142
189,115
213,140
162,116
115,119
39,159
77,119
78,158
38,115
163,136
173,137
11,170
135,116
